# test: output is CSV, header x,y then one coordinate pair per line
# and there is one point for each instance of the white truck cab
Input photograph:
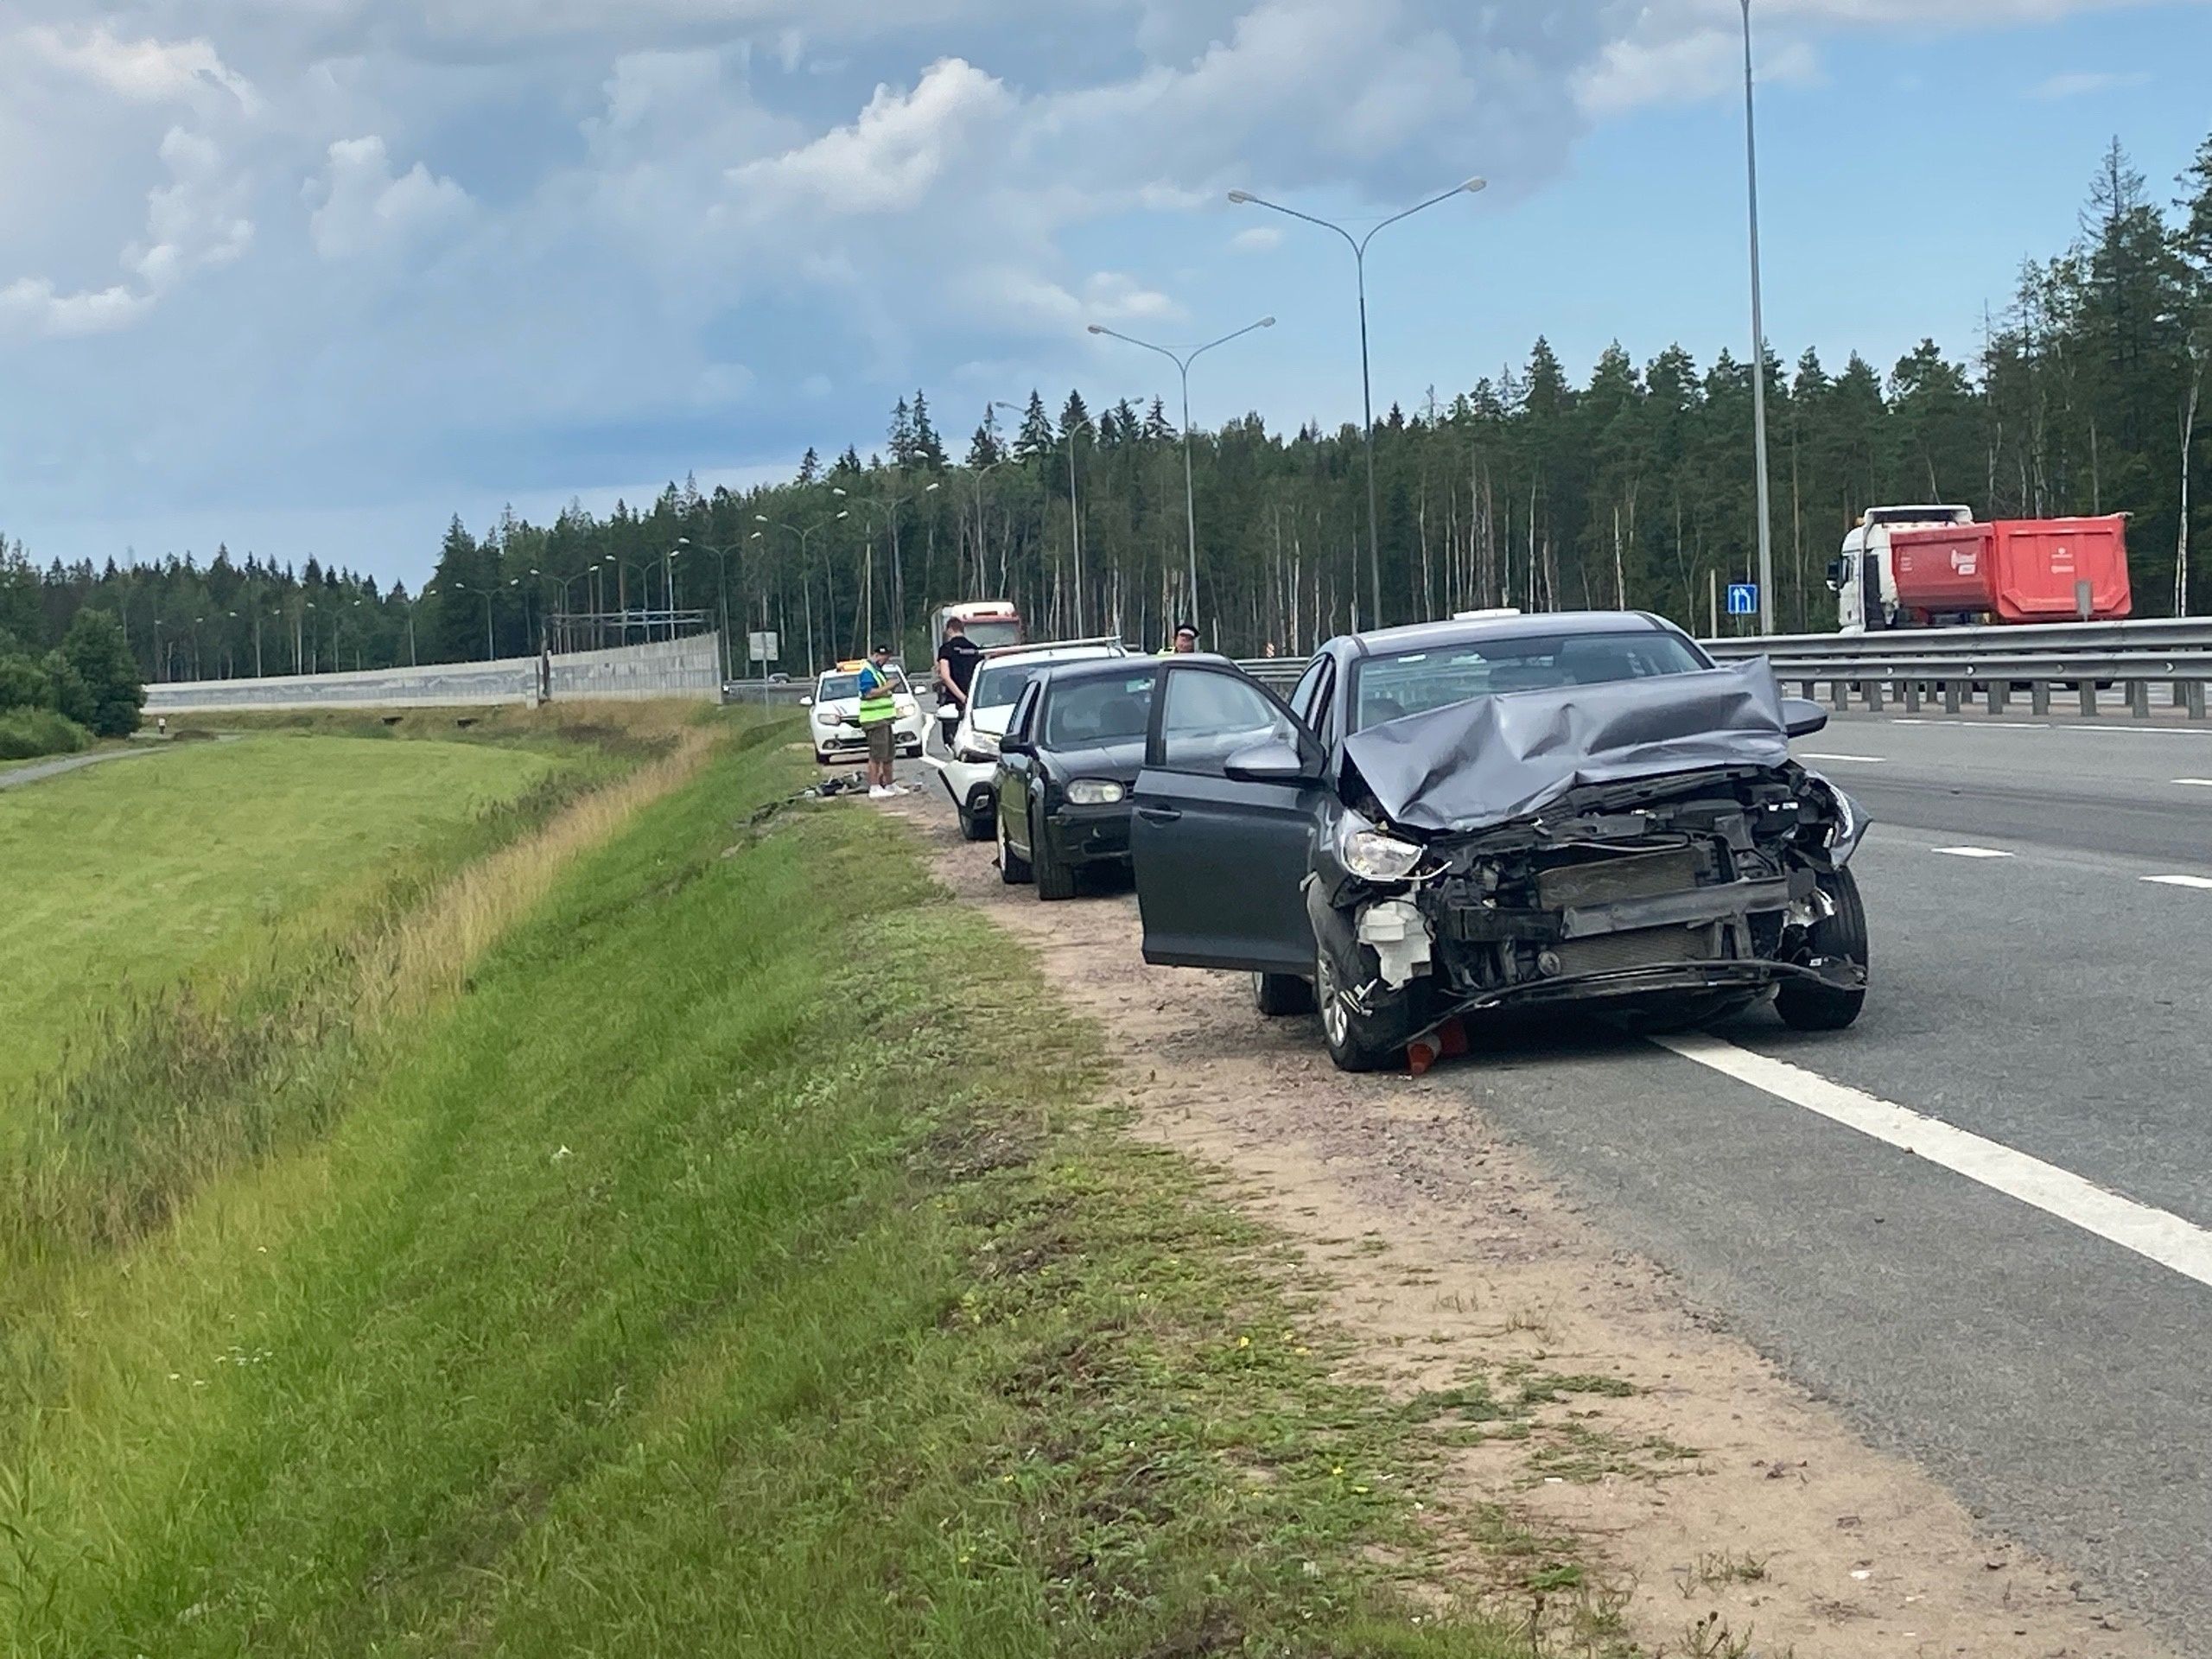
x,y
1862,576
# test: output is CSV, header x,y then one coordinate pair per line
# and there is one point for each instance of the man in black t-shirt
x,y
955,662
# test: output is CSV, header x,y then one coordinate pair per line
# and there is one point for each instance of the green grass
x,y
740,1266
141,870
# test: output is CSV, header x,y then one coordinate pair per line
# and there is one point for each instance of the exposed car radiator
x,y
1625,876
1647,947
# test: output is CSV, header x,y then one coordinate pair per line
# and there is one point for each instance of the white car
x,y
833,714
968,761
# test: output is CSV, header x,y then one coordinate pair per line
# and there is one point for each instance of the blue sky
x,y
313,278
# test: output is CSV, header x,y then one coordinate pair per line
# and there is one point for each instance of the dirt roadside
x,y
1710,1485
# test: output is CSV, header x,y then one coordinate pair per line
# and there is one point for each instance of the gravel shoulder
x,y
1707,1486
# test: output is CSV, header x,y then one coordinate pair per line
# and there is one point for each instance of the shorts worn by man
x,y
879,716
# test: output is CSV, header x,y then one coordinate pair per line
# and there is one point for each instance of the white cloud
x,y
147,69
364,209
1256,239
30,306
901,147
196,221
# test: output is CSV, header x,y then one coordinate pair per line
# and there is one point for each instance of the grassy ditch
x,y
740,1265
317,943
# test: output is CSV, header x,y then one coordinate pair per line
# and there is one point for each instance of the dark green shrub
x,y
106,689
26,734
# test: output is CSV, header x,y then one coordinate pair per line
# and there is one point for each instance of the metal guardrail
x,y
1912,666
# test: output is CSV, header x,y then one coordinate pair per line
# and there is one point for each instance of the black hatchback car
x,y
1072,749
1496,813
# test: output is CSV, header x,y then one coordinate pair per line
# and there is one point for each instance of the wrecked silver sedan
x,y
1496,813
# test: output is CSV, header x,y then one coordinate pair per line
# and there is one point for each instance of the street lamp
x,y
721,589
1359,245
1759,348
829,613
1183,367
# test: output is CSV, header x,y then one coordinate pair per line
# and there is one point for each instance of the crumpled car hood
x,y
1473,765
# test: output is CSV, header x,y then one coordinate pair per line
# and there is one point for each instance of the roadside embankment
x,y
743,1255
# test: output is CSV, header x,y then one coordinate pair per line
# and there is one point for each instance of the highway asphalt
x,y
2042,980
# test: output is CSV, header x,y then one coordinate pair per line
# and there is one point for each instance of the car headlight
x,y
979,749
1373,856
1094,792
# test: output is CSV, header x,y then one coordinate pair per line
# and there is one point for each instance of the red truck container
x,y
2014,570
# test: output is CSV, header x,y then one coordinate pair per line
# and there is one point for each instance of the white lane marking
x,y
2203,883
1972,852
2153,1234
2194,783
1860,759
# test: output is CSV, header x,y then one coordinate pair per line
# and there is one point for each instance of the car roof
x,y
1421,636
1104,668
1052,654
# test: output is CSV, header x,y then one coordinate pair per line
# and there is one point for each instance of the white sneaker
x,y
878,792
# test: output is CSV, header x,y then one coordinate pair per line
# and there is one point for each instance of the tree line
x,y
1631,487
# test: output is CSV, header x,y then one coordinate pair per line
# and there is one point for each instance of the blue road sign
x,y
1743,599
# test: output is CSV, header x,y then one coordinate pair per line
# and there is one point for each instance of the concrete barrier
x,y
677,667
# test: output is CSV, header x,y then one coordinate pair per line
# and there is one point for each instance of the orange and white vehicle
x,y
993,624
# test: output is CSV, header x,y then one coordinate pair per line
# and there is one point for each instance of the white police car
x,y
833,714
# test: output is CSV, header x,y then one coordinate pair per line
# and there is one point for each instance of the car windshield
x,y
1414,681
836,688
1086,713
1000,685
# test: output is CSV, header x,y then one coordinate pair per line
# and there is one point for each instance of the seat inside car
x,y
1596,662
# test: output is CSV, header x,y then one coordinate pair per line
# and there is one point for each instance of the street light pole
x,y
1183,367
1759,348
1359,245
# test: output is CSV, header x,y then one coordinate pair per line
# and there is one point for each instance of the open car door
x,y
1222,825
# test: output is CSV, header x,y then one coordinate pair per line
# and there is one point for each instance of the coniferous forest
x,y
1631,484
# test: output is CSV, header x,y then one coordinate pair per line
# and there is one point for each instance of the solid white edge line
x,y
2201,882
2182,1246
1972,852
1856,760
2194,783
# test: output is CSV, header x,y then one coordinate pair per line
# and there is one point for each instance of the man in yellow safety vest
x,y
879,710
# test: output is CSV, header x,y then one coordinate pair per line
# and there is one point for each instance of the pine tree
x,y
929,449
810,466
904,449
1074,417
1036,438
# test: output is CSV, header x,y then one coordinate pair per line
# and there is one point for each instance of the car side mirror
x,y
806,702
1272,762
1016,745
1802,719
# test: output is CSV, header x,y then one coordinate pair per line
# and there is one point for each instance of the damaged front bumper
x,y
1716,892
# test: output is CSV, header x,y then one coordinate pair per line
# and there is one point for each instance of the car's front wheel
x,y
1807,1005
1014,869
1055,875
1358,1042
974,826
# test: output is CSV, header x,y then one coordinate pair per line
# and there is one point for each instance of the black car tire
x,y
972,826
1014,869
1055,875
1355,1040
1279,995
1805,1006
